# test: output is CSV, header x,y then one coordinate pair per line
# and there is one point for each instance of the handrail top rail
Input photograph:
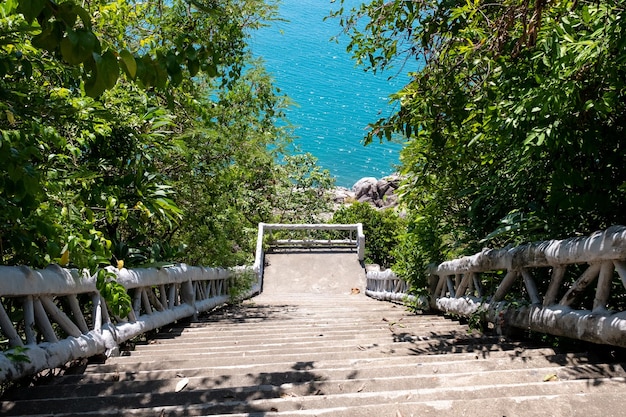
x,y
311,226
609,244
18,281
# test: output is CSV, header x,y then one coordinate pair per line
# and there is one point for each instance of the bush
x,y
382,229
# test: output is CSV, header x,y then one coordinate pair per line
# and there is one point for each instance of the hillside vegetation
x,y
138,133
514,123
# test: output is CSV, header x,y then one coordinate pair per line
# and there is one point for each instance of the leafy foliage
x,y
139,134
382,229
164,40
114,293
514,121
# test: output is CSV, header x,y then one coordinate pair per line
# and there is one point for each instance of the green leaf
x,y
31,8
128,63
49,38
78,46
84,15
108,69
211,70
193,65
67,13
94,85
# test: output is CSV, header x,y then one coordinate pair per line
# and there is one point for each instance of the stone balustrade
x,y
53,316
546,287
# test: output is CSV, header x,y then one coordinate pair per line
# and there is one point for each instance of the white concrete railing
x,y
386,286
53,316
358,241
555,306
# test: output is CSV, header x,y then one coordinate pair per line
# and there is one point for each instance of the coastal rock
x,y
380,193
365,189
342,195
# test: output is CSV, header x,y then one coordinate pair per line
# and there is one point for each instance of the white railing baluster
x,y
477,286
163,295
59,317
558,272
29,320
43,323
531,287
77,312
603,287
171,296
8,329
137,300
587,277
96,301
154,300
620,267
145,300
505,285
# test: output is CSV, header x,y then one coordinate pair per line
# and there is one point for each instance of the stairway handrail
x,y
456,286
56,327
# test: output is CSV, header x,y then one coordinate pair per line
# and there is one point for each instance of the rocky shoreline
x,y
380,193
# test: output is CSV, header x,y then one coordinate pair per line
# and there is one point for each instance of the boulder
x,y
380,193
342,195
366,188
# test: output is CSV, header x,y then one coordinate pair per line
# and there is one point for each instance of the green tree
x,y
175,161
514,120
91,158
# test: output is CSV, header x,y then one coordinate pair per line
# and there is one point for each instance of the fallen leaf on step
x,y
550,377
182,384
362,387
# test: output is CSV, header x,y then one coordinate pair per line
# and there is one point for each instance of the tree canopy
x,y
139,133
515,121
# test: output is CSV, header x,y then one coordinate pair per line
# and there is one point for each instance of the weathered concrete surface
x,y
309,346
330,355
313,271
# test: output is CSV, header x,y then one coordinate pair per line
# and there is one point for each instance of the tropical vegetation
x,y
514,116
135,133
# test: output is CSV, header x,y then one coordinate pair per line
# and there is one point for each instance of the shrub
x,y
382,229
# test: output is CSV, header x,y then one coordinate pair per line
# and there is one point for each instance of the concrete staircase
x,y
313,345
330,355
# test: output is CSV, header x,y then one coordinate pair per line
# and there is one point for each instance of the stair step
x,y
267,398
302,383
328,356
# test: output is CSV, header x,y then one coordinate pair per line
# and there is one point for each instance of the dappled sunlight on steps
x,y
330,355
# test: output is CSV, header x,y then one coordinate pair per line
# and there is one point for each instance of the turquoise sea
x,y
334,100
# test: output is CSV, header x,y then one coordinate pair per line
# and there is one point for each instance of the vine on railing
x,y
545,287
53,316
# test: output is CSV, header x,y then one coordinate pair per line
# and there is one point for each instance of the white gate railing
x,y
53,316
555,305
355,239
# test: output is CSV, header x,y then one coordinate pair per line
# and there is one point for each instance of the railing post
x,y
360,242
258,257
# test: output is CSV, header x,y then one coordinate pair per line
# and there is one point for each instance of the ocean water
x,y
334,100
